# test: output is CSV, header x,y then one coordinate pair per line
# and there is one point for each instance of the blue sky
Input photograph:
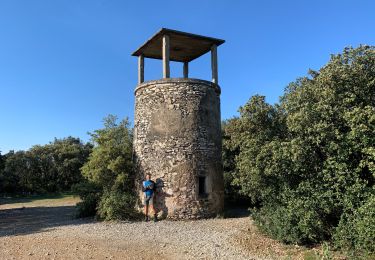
x,y
66,64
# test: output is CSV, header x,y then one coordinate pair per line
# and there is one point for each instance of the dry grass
x,y
39,201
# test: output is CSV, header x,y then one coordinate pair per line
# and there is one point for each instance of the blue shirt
x,y
150,191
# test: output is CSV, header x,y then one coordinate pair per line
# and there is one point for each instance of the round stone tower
x,y
177,129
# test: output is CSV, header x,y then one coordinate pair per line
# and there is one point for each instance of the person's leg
x,y
146,205
153,208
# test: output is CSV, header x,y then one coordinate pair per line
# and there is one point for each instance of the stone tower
x,y
177,129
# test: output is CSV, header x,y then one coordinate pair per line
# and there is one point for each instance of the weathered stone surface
x,y
177,138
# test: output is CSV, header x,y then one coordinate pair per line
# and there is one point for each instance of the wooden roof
x,y
183,46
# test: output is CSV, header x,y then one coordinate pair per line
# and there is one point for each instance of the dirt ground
x,y
47,229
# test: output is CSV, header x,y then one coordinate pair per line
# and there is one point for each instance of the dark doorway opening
x,y
202,186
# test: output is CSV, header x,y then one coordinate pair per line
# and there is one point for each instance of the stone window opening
x,y
202,189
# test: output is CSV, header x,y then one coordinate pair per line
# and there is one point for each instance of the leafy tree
x,y
309,161
2,165
110,171
110,164
69,155
258,125
16,174
232,193
58,163
44,168
2,162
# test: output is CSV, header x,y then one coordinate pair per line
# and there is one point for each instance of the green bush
x,y
87,207
232,192
298,221
90,195
108,188
117,205
310,160
356,231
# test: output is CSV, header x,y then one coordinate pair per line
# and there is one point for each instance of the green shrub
x,y
232,192
108,186
87,207
90,195
117,205
356,232
232,195
309,161
298,221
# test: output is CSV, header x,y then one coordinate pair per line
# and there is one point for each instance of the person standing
x,y
148,187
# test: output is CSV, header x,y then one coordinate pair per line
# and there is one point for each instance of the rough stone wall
x,y
177,138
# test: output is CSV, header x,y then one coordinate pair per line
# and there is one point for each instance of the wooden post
x,y
166,56
141,69
186,69
214,64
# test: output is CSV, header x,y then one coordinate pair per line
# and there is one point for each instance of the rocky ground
x,y
48,230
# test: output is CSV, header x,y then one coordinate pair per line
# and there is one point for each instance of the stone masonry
x,y
177,139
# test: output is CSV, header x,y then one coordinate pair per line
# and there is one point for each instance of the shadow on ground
x,y
236,212
29,220
21,221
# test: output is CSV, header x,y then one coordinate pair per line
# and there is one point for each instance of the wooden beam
x,y
141,69
214,64
186,69
166,71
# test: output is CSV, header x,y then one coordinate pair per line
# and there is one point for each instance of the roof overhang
x,y
184,47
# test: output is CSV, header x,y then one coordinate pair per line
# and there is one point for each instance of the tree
x,y
232,192
69,155
58,163
309,161
2,162
109,172
16,174
110,164
2,166
258,125
53,167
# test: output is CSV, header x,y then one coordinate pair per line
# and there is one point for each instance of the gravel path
x,y
52,233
